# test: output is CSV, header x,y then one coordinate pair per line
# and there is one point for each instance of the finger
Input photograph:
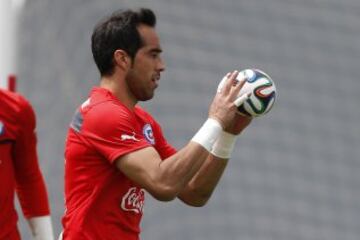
x,y
240,100
234,92
242,81
230,81
223,82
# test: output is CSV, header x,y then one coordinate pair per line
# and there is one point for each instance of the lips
x,y
156,80
156,77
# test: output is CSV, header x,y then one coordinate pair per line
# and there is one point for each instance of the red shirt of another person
x,y
19,169
101,202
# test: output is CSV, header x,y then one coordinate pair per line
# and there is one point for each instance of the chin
x,y
146,98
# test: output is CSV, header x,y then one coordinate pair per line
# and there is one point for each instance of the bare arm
x,y
163,179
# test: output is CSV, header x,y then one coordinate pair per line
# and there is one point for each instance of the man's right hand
x,y
223,108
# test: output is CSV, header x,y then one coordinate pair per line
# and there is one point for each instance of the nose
x,y
161,65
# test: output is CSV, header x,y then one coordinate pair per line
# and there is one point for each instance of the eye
x,y
154,54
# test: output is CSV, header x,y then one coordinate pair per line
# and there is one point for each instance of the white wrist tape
x,y
224,145
208,133
41,228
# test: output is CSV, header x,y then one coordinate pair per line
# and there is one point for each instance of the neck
x,y
118,86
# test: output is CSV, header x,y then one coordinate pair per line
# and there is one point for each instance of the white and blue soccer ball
x,y
262,89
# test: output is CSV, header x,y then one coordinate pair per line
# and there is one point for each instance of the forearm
x,y
178,170
181,168
201,186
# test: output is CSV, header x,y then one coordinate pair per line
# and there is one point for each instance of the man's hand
x,y
224,106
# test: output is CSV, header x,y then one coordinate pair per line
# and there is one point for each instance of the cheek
x,y
136,79
144,65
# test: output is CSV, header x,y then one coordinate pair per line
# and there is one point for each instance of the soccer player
x,y
115,150
19,170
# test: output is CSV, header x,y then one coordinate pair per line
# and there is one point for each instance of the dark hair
x,y
119,31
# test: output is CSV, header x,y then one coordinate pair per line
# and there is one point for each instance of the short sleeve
x,y
164,149
112,130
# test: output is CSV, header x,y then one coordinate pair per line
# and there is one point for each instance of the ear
x,y
121,59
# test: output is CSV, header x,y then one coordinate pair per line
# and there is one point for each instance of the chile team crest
x,y
148,134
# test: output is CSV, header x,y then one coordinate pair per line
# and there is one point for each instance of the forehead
x,y
149,36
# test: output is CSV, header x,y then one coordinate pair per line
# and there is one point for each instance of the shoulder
x,y
13,100
16,105
101,116
107,111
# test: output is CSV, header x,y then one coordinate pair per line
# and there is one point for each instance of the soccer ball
x,y
262,89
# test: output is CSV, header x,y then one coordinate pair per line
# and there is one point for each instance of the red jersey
x,y
101,202
19,169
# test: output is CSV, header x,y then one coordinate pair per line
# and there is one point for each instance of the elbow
x,y
164,197
196,201
164,193
195,197
200,201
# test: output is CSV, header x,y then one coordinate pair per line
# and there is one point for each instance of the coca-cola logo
x,y
133,200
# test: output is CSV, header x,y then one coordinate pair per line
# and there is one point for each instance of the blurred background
x,y
294,173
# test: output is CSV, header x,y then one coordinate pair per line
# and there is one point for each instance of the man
x,y
19,170
115,150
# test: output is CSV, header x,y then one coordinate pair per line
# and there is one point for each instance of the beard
x,y
140,88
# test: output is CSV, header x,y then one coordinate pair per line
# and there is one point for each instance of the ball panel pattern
x,y
263,93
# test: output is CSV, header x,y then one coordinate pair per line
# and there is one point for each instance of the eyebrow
x,y
156,50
